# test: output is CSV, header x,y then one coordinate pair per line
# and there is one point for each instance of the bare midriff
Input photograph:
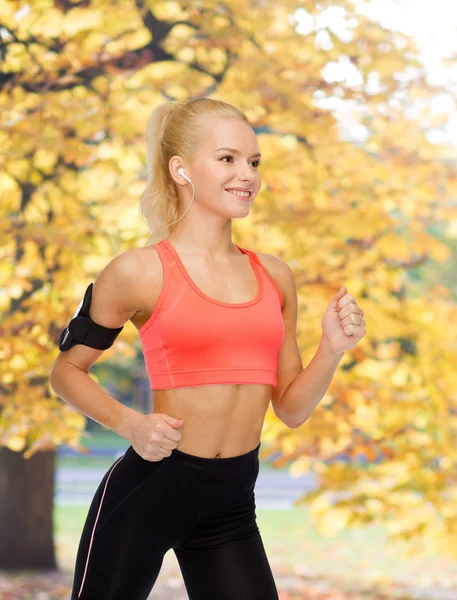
x,y
219,420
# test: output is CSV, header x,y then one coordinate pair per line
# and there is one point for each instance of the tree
x,y
79,81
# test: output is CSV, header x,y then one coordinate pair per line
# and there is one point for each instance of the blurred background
x,y
353,103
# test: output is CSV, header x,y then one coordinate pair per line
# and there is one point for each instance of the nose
x,y
245,173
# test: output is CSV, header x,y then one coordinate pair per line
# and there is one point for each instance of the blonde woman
x,y
217,324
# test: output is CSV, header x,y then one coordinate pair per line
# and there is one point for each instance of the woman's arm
x,y
115,299
299,390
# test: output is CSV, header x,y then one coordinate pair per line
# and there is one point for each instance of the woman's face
x,y
227,157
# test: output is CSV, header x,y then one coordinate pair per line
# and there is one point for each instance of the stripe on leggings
x,y
95,524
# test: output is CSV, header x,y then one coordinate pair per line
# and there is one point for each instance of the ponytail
x,y
160,194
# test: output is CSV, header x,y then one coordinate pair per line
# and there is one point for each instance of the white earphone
x,y
181,172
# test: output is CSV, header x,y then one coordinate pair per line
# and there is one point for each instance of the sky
x,y
432,25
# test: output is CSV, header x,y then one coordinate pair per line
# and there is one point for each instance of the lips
x,y
229,191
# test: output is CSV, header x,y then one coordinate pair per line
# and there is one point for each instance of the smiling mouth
x,y
242,195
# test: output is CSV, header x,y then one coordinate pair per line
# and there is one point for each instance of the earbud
x,y
181,172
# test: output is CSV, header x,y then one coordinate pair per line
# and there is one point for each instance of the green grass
x,y
292,535
104,438
85,461
101,438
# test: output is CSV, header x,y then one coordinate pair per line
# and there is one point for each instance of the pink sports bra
x,y
191,339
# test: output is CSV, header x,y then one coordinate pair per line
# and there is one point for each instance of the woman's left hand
x,y
343,325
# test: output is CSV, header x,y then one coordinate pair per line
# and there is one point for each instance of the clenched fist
x,y
155,436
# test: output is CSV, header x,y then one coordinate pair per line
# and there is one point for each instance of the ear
x,y
173,166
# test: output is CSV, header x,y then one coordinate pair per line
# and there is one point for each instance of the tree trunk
x,y
26,510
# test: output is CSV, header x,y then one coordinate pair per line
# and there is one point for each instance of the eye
x,y
259,162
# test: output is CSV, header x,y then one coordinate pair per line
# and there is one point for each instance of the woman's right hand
x,y
155,436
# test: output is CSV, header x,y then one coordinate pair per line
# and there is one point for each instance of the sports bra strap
x,y
253,254
257,260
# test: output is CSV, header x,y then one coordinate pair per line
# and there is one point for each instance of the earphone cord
x,y
193,194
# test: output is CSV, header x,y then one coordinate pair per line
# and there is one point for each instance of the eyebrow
x,y
237,152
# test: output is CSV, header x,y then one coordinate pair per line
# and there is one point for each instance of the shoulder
x,y
132,271
280,272
138,263
129,265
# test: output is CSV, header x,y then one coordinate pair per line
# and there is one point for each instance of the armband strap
x,y
83,330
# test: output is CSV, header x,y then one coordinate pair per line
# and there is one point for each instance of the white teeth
x,y
237,193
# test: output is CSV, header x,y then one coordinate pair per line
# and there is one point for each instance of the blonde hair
x,y
173,130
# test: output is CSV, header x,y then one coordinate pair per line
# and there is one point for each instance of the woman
x,y
218,329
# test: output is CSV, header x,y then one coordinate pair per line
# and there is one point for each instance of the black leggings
x,y
203,508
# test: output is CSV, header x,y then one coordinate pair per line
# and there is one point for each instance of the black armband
x,y
83,330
